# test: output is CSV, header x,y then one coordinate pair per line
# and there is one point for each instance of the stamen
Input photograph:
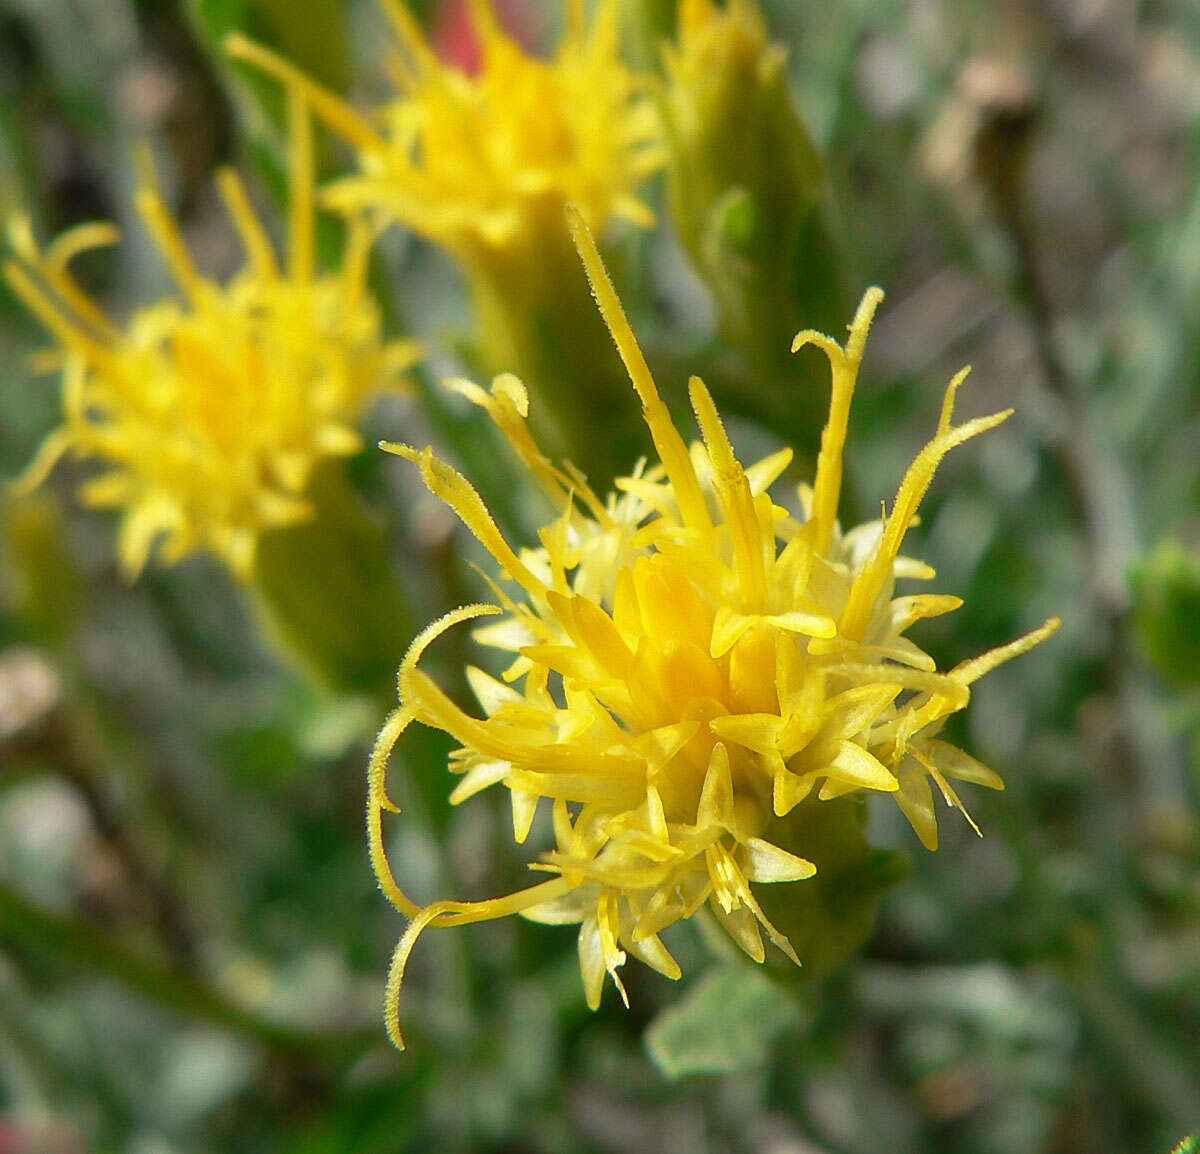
x,y
969,671
487,27
857,614
575,20
843,364
377,795
377,802
450,913
508,406
164,228
741,516
49,453
457,492
671,449
411,36
59,254
355,263
249,229
336,113
54,320
300,229
948,400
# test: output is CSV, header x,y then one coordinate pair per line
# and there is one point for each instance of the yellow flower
x,y
211,411
483,165
691,661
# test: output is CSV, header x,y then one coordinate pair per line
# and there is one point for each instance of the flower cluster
x,y
690,661
211,411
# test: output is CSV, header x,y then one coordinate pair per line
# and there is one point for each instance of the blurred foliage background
x,y
192,947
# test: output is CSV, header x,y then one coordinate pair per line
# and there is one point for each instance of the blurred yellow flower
x,y
691,661
212,410
484,164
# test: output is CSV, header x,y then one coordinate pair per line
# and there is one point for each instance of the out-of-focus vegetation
x,y
192,946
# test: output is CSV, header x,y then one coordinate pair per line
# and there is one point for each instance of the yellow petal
x,y
743,928
915,800
651,951
768,863
478,778
757,731
524,809
789,790
955,763
855,766
490,693
716,797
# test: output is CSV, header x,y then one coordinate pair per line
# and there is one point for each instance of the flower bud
x,y
1167,599
746,186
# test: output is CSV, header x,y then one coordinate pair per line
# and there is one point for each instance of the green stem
x,y
1144,1058
537,318
328,593
23,922
54,732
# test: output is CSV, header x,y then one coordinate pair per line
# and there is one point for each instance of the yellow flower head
x,y
211,411
690,662
485,164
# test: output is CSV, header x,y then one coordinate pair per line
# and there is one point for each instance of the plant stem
x,y
23,922
56,733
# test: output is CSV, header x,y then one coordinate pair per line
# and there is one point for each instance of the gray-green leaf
x,y
725,1022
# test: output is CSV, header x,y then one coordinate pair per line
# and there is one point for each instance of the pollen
x,y
210,410
688,661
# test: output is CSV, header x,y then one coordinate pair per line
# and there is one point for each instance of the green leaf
x,y
1190,1145
310,33
725,1022
313,34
